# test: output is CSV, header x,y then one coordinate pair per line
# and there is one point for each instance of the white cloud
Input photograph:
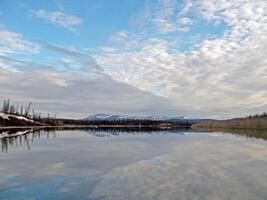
x,y
189,4
158,16
122,35
76,61
106,49
12,42
78,95
166,18
185,21
163,16
59,18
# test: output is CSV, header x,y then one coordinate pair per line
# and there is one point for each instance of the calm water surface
x,y
85,164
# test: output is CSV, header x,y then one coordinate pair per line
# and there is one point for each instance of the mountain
x,y
112,117
103,116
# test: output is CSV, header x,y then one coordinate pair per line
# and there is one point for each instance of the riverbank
x,y
10,120
252,122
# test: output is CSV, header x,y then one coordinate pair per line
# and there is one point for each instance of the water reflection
x,y
247,133
12,138
197,170
23,137
147,165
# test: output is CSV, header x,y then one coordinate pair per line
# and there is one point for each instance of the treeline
x,y
20,110
263,115
21,115
258,121
123,122
15,112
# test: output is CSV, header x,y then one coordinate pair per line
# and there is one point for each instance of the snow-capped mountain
x,y
112,117
104,116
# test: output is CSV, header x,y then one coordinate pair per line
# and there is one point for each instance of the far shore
x,y
14,131
95,126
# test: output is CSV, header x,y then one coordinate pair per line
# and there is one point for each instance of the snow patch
x,y
111,117
4,116
7,116
7,134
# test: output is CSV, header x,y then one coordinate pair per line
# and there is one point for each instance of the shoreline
x,y
97,126
14,131
196,127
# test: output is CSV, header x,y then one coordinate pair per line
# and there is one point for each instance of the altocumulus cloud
x,y
226,72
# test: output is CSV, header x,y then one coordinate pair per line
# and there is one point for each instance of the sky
x,y
190,58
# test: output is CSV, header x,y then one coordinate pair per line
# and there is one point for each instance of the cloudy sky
x,y
198,58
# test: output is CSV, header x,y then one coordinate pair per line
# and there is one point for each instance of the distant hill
x,y
114,117
250,122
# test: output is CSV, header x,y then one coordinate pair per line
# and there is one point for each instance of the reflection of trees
x,y
106,132
249,133
117,131
251,122
29,136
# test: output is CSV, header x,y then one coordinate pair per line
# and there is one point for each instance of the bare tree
x,y
28,109
21,110
6,106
